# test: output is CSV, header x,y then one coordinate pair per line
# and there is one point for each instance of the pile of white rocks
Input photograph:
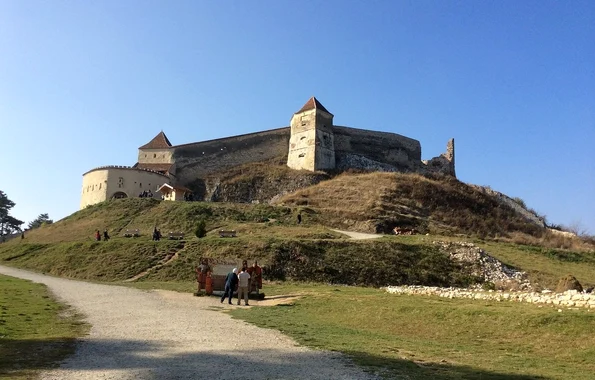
x,y
570,298
484,266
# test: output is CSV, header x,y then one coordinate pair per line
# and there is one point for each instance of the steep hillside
x,y
258,182
378,202
256,221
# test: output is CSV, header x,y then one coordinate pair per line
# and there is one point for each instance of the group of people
x,y
249,279
246,280
146,194
98,235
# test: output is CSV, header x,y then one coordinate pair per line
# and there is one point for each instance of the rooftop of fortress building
x,y
311,104
159,142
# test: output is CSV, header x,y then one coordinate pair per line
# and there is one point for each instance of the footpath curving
x,y
139,334
570,298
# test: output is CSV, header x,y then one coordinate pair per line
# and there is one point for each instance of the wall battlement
x,y
125,167
312,142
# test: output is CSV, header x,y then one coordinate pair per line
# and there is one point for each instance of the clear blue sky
x,y
84,84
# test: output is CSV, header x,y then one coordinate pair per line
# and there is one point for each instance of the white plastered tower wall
x,y
94,187
155,156
312,142
118,181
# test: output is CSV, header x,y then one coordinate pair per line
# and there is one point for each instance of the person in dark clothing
x,y
299,218
105,235
231,282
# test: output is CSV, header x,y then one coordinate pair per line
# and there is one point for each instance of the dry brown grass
x,y
551,240
438,204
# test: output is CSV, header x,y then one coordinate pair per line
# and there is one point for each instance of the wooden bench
x,y
132,233
176,235
223,233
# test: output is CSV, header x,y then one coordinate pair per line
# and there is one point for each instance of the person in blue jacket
x,y
231,283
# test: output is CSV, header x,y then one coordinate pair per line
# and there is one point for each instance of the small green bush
x,y
488,285
201,229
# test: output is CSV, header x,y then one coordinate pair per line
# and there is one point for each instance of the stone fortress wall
x,y
311,142
200,159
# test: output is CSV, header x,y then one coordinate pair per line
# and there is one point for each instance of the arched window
x,y
119,195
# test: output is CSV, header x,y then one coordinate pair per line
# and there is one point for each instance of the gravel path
x,y
167,335
359,235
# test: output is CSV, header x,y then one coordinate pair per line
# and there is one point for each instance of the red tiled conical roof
x,y
159,142
311,104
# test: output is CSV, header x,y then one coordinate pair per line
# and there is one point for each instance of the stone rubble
x,y
489,269
486,267
570,298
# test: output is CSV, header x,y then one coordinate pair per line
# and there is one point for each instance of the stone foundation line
x,y
570,298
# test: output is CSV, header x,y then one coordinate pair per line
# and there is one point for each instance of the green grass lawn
x,y
36,332
417,337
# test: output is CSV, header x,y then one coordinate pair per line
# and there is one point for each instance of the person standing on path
x,y
231,281
255,272
202,272
244,279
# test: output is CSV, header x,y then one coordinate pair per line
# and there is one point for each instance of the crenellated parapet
x,y
124,167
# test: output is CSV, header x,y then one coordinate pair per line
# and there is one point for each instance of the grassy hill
x,y
443,207
377,202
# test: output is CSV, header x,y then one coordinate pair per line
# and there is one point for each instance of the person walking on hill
x,y
97,236
105,235
244,281
231,282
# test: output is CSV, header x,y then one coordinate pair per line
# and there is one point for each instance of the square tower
x,y
312,141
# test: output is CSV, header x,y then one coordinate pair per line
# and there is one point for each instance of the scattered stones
x,y
570,298
486,267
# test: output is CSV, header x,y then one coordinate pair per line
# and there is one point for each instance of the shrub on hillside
x,y
201,229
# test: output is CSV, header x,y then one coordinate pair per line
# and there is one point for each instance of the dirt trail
x,y
166,335
359,235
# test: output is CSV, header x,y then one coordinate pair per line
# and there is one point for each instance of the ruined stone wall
x,y
200,159
399,152
444,164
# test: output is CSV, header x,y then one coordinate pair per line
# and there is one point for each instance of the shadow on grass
x,y
411,369
17,357
153,361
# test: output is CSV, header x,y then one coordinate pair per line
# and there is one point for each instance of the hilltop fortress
x,y
312,142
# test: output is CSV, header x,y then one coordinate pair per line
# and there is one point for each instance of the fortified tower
x,y
312,141
156,155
